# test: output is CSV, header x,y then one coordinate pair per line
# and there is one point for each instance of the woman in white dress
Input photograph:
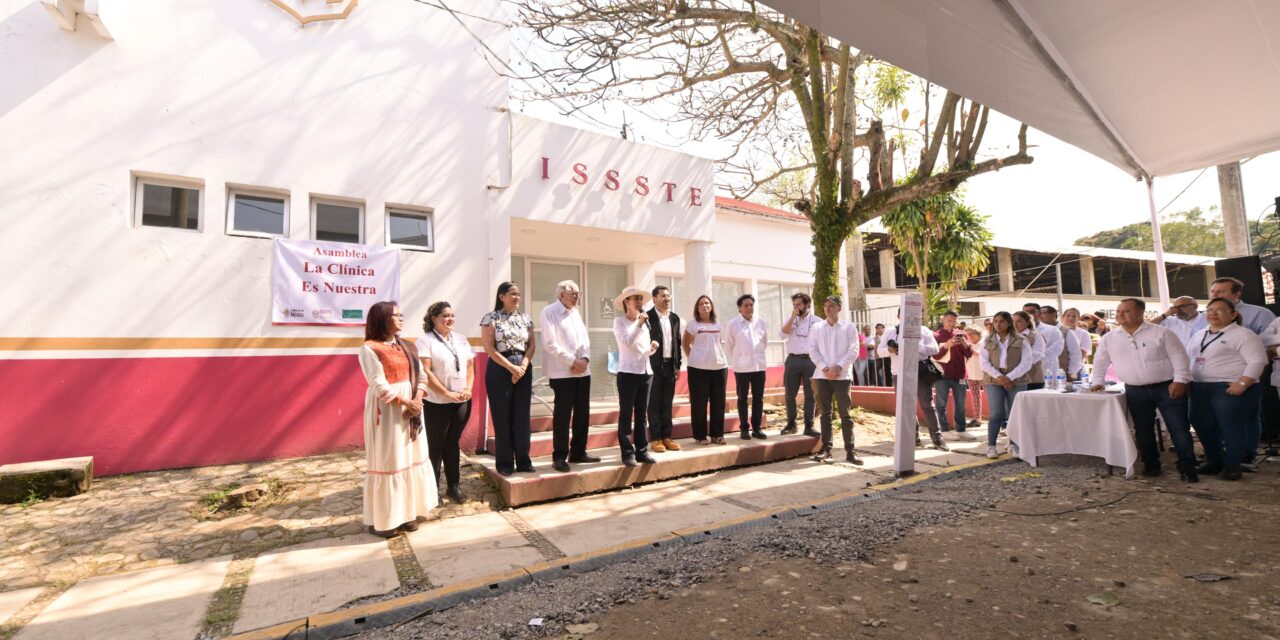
x,y
398,484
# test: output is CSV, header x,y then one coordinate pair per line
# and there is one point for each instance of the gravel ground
x,y
845,535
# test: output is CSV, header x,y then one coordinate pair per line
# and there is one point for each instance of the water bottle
x,y
1062,380
1048,379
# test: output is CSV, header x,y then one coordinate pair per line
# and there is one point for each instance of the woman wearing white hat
x,y
634,375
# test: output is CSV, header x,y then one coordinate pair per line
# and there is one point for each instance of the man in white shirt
x,y
927,348
664,328
1256,319
835,345
798,370
1181,318
1068,358
746,337
566,361
1052,341
1152,363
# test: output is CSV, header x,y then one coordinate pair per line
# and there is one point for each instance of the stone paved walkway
x,y
104,560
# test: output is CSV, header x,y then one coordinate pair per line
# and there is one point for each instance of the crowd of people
x,y
1196,369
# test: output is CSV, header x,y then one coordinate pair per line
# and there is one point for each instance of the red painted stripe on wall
x,y
138,414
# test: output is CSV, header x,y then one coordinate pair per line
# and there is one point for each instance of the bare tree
x,y
781,94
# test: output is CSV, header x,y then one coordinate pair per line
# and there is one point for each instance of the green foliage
x,y
936,302
890,87
940,236
1194,232
214,500
33,498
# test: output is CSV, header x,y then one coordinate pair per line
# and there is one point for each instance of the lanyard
x,y
457,363
1204,346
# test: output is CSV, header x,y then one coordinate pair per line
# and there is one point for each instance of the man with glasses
x,y
1153,365
566,361
1181,318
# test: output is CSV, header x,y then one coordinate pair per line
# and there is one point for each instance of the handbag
x,y
929,370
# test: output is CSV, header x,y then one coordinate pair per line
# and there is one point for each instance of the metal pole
x,y
1162,277
1057,268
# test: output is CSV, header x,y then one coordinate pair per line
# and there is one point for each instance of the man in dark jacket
x,y
664,328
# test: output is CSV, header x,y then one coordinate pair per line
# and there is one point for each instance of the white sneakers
x,y
991,453
1011,449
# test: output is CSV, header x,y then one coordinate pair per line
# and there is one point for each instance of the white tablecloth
x,y
1047,422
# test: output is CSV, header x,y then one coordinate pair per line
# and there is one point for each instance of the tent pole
x,y
1162,276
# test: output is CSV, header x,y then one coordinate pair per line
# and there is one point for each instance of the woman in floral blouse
x,y
507,334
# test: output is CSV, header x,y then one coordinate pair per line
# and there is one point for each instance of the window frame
x,y
259,192
340,202
427,212
140,182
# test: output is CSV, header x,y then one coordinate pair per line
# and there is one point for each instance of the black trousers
x,y
444,424
633,401
571,414
707,385
754,382
509,411
662,394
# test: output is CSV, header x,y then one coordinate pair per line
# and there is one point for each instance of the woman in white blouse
x,y
634,375
708,368
745,341
1226,361
451,372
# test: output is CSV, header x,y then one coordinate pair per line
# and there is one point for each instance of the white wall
x,y
755,249
393,104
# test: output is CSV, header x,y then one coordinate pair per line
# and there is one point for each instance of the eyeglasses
x,y
575,294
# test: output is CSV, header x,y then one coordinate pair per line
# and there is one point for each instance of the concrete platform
x,y
605,436
460,549
12,602
315,577
784,483
926,456
605,520
154,604
547,484
61,478
603,413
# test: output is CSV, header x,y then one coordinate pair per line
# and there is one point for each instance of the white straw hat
x,y
627,293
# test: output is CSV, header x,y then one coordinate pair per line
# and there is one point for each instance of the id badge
x,y
1198,364
457,385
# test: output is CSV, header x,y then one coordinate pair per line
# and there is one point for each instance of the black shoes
x,y
1231,473
505,471
629,461
561,466
758,434
823,454
455,494
1209,469
940,445
644,458
1189,477
525,467
584,458
1150,471
851,457
788,430
744,434
812,433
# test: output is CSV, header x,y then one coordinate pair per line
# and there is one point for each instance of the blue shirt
x,y
1255,318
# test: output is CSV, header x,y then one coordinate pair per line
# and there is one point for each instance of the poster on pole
x,y
330,283
910,311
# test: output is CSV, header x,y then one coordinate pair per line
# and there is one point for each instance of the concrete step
x,y
679,409
546,484
605,436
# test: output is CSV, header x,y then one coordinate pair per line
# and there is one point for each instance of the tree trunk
x,y
857,273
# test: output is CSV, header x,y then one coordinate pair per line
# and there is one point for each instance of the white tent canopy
x,y
1155,87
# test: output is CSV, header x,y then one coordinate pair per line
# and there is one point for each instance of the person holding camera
x,y
925,349
951,361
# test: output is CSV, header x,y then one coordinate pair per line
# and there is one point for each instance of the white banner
x,y
331,283
904,445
